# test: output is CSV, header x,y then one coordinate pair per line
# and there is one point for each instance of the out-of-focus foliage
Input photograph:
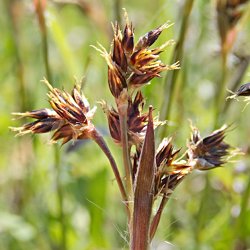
x,y
77,205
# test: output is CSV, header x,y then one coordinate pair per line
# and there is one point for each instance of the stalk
x,y
170,84
102,144
117,10
220,97
122,109
155,221
57,157
241,223
157,217
60,195
19,65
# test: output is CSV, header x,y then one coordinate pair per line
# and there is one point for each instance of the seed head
x,y
134,64
70,116
169,171
137,121
209,152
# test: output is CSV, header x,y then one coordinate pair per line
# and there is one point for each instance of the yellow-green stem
x,y
117,10
170,84
19,65
220,96
60,194
57,162
241,222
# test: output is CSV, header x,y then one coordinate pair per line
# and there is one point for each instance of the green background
x,y
75,204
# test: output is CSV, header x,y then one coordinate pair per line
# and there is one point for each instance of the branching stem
x,y
102,144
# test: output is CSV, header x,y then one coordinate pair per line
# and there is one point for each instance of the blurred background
x,y
65,198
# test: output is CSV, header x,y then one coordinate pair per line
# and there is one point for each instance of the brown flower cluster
x,y
202,154
70,116
136,120
133,65
149,173
210,152
169,171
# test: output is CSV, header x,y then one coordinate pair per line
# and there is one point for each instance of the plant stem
x,y
46,56
57,162
13,22
60,194
157,217
126,154
117,10
170,84
220,97
102,144
241,223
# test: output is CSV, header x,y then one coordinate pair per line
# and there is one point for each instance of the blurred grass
x,y
94,217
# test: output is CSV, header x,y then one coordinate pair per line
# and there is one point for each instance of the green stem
x,y
57,162
220,97
170,84
60,195
200,214
19,65
117,10
241,223
46,56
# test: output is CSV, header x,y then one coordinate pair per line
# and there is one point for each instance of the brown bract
x,y
70,116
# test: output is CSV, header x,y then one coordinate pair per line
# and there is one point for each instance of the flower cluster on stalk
x,y
70,116
131,66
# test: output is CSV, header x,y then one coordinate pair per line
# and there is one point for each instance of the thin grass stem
x,y
60,195
117,10
57,156
170,83
220,97
242,223
19,65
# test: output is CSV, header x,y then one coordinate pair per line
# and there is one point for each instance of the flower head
x,y
169,171
136,122
70,116
209,152
134,65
